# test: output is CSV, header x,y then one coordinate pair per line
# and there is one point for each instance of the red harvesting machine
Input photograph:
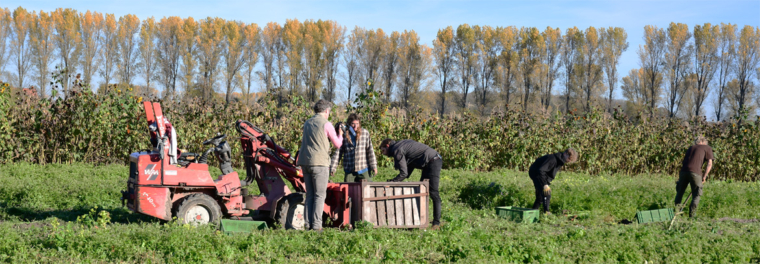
x,y
164,185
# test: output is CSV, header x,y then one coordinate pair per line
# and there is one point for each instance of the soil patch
x,y
743,221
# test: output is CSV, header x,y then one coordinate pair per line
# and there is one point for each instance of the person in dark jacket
x,y
543,171
409,155
691,172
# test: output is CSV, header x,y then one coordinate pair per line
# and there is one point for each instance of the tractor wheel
x,y
290,211
198,209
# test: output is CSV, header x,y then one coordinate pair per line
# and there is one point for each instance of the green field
x,y
48,215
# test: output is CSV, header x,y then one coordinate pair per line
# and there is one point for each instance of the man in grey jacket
x,y
314,159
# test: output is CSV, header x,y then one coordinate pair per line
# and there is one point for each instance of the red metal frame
x,y
156,182
163,183
272,161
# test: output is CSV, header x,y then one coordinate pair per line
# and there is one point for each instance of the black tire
x,y
290,212
198,209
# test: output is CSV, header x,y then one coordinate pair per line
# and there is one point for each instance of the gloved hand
x,y
547,190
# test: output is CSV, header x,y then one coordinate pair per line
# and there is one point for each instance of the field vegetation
x,y
72,213
489,99
103,129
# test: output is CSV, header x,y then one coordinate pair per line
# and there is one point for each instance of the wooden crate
x,y
390,204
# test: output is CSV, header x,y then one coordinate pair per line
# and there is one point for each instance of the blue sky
x,y
426,17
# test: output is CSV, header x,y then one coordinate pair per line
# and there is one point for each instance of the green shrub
x,y
105,128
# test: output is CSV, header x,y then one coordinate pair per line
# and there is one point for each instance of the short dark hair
x,y
573,155
387,141
321,105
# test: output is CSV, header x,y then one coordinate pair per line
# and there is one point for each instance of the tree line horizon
x,y
477,68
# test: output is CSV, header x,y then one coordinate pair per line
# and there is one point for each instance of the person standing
x,y
691,172
409,155
359,162
543,171
314,159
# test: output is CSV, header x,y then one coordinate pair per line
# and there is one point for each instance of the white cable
x,y
173,151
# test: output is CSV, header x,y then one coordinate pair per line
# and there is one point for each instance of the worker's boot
x,y
692,211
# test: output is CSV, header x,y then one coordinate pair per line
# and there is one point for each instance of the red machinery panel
x,y
337,205
234,205
193,175
159,119
149,172
154,201
228,185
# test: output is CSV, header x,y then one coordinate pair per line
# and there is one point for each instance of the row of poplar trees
x,y
202,58
680,67
470,67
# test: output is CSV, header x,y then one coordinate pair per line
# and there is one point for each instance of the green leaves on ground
x,y
40,206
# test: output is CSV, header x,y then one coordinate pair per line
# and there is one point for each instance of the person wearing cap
x,y
691,172
409,155
543,171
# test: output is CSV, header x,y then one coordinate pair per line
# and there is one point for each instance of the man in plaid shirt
x,y
359,160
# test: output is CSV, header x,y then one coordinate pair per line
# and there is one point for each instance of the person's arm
x,y
337,140
547,171
371,155
709,158
401,166
335,161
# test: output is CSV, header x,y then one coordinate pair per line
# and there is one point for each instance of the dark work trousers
x,y
356,177
540,197
432,172
695,180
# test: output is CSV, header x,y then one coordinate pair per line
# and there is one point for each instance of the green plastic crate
x,y
652,216
517,214
241,226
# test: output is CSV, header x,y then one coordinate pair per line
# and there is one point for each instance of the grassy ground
x,y
47,216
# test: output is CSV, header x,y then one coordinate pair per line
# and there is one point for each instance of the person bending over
x,y
409,155
691,172
543,171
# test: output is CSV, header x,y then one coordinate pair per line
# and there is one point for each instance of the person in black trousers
x,y
543,171
409,155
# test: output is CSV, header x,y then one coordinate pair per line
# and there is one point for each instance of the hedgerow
x,y
104,128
